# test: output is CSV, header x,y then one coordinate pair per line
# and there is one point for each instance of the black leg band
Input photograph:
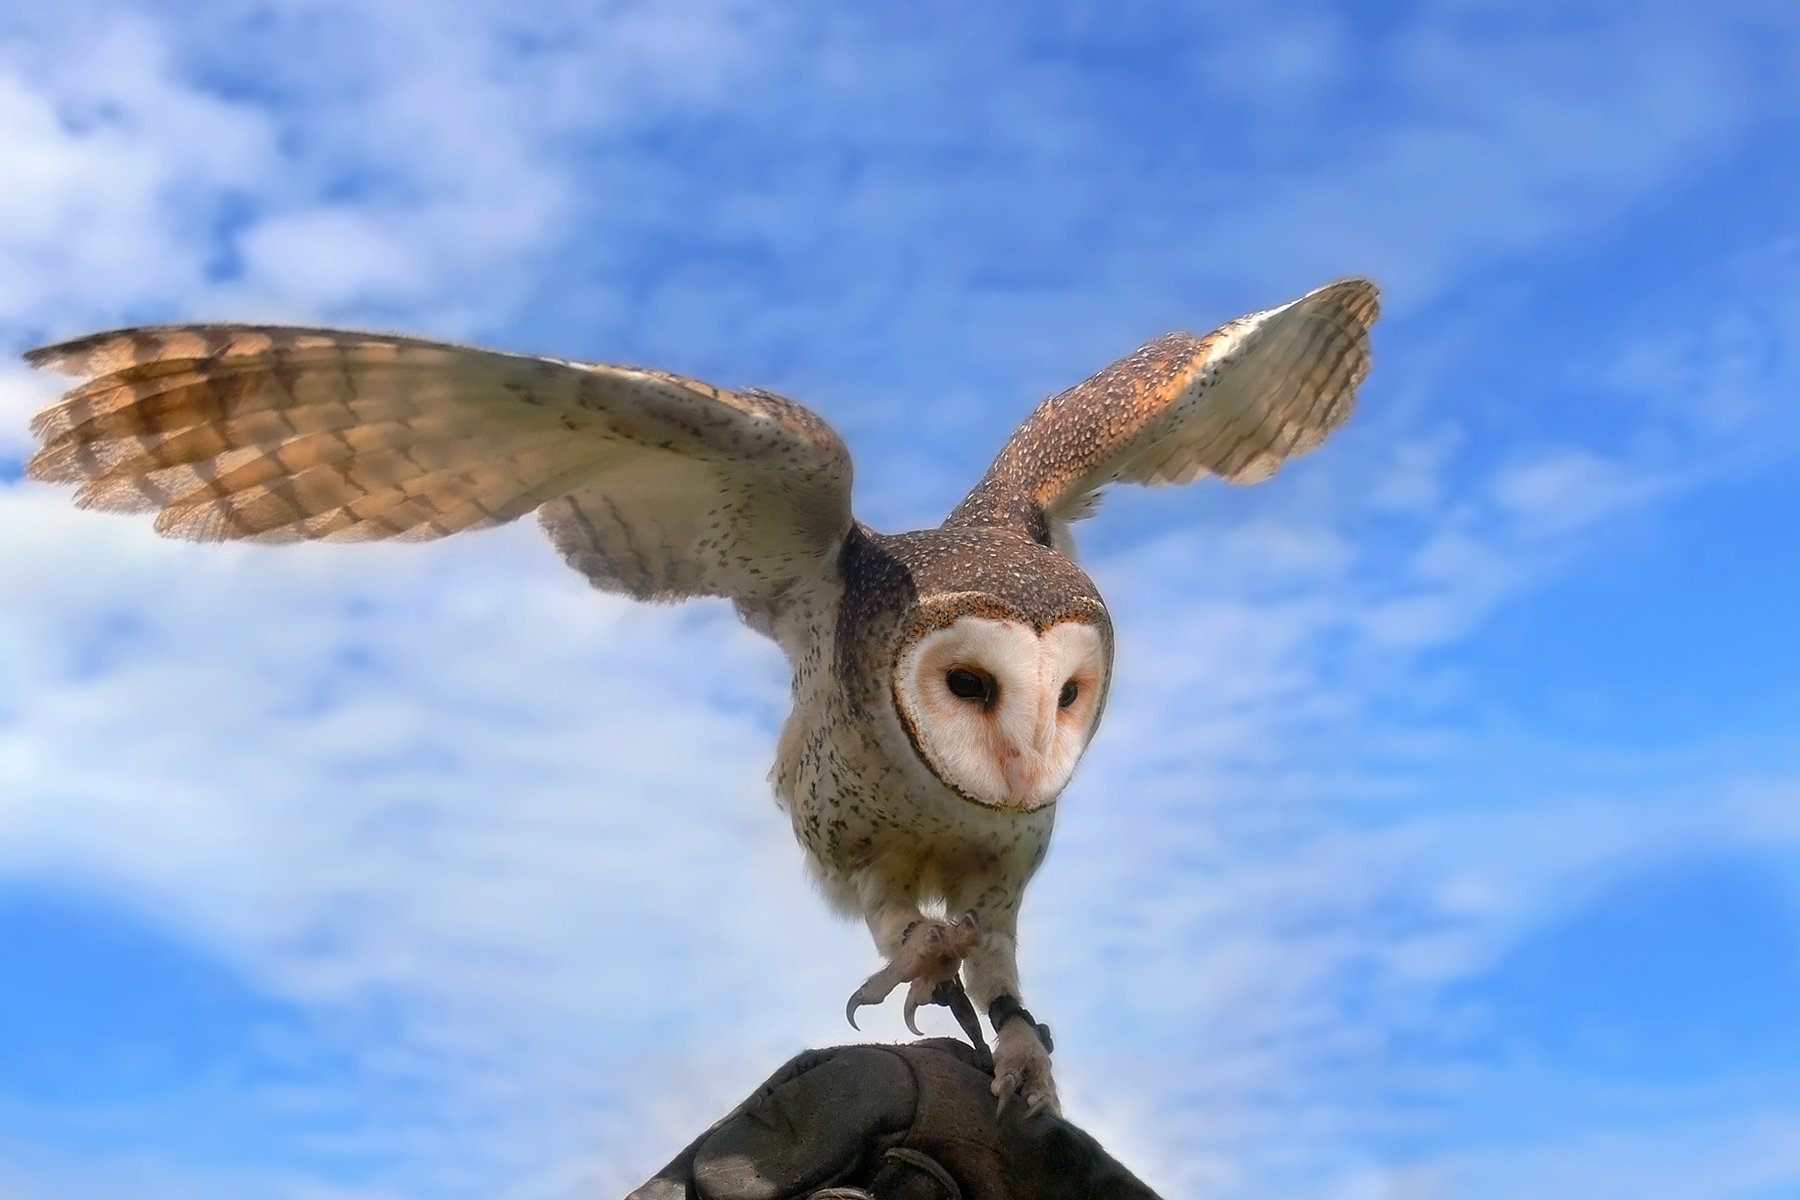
x,y
1005,1008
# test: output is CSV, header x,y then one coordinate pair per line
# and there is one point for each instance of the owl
x,y
946,682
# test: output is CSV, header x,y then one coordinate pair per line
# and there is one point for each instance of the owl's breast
x,y
860,809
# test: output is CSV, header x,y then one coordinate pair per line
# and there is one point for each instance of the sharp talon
x,y
929,957
874,990
951,995
1037,1104
1009,1087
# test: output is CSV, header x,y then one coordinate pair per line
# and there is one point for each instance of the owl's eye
x,y
1070,690
970,685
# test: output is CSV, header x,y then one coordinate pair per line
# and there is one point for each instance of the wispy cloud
x,y
513,837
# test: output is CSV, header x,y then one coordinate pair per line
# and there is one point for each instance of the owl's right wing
x,y
649,484
1235,403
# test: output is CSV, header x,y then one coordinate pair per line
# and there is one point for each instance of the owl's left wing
x,y
650,484
1235,403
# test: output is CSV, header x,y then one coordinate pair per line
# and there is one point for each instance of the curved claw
x,y
929,953
1008,1086
874,990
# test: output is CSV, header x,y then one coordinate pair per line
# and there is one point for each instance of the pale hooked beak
x,y
1022,765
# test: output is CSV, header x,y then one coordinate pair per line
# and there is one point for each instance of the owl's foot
x,y
1022,1068
930,956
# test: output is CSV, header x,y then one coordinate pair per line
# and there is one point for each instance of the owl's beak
x,y
1022,766
1020,770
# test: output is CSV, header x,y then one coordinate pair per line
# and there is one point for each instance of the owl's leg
x,y
1021,1045
925,952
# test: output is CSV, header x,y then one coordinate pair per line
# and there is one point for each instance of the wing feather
x,y
1237,404
651,483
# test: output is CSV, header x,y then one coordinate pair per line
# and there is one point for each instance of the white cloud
x,y
430,181
453,774
1716,374
1257,955
324,256
555,841
1715,1157
113,167
1509,133
1566,488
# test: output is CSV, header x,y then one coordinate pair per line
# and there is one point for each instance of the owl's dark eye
x,y
1070,690
970,685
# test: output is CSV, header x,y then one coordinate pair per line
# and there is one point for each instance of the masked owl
x,y
945,682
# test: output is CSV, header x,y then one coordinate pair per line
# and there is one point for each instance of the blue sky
x,y
1443,839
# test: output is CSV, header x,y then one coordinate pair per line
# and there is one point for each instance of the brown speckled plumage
x,y
1234,403
662,488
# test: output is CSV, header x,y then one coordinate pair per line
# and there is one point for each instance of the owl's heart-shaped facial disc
x,y
999,712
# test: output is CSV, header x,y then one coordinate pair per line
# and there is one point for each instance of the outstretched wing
x,y
650,484
1235,403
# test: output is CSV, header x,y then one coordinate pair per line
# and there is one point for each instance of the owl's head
x,y
1000,670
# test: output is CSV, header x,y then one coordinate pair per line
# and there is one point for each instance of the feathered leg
x,y
1021,1045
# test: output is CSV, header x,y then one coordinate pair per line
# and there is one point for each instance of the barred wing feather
x,y
651,484
1236,403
